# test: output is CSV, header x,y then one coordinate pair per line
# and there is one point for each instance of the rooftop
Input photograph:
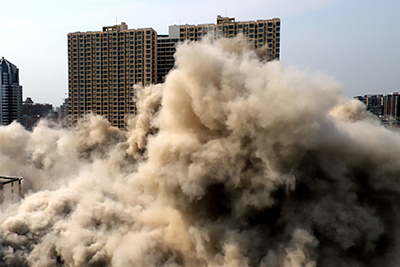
x,y
6,180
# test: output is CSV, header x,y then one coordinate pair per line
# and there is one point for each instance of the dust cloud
x,y
233,161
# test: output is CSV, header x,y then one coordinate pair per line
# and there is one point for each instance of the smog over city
x,y
233,161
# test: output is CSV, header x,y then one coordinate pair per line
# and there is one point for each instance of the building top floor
x,y
11,71
120,27
113,31
6,180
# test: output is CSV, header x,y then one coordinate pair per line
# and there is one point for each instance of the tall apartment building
x,y
263,34
374,103
104,65
166,48
391,105
386,107
11,93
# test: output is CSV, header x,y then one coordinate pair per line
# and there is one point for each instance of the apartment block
x,y
386,107
374,103
263,34
166,47
103,67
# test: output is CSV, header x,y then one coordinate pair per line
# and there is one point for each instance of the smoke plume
x,y
233,161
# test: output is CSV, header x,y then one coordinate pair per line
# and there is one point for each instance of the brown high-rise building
x,y
263,34
104,65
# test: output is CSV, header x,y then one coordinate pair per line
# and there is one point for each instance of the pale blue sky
x,y
355,41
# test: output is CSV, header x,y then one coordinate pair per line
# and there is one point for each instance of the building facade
x,y
166,48
31,108
374,103
62,113
32,112
386,107
10,189
263,34
11,93
104,65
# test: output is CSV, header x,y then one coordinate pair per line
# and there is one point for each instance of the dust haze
x,y
233,161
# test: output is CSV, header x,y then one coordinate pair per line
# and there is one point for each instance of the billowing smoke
x,y
233,161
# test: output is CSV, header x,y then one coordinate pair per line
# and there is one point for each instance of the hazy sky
x,y
355,41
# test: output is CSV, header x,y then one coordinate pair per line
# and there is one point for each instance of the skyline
x,y
355,42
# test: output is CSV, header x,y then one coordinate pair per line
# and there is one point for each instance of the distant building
x,y
386,107
32,112
104,65
62,112
31,108
263,34
391,105
374,103
11,93
31,121
10,189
